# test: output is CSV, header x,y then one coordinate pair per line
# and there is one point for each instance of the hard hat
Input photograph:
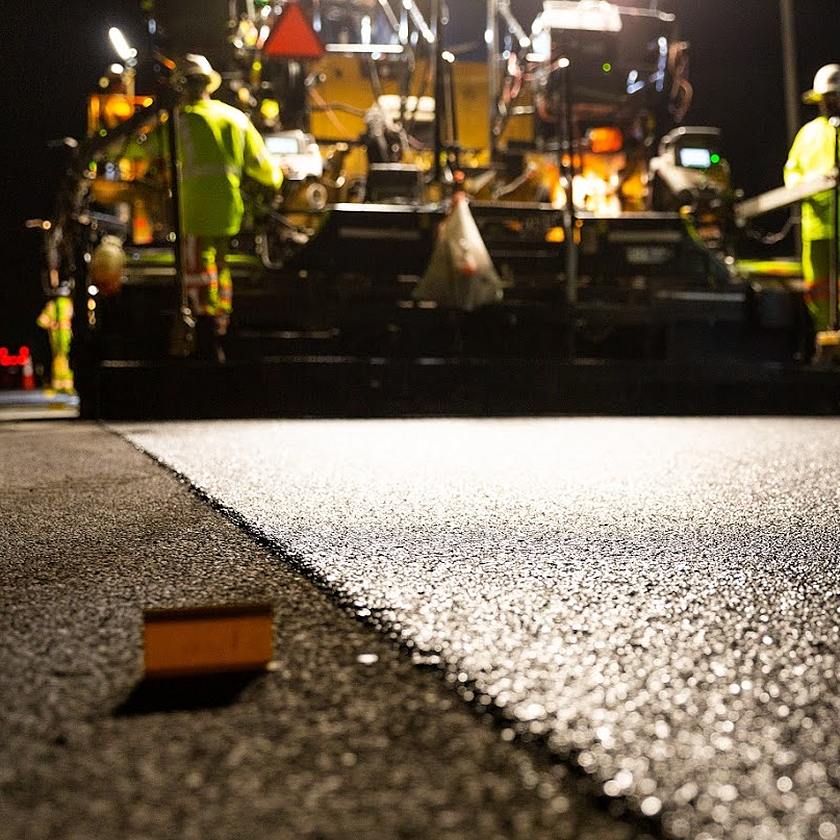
x,y
826,81
197,66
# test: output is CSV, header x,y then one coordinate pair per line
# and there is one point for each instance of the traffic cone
x,y
27,374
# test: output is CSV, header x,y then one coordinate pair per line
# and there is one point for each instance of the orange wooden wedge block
x,y
207,640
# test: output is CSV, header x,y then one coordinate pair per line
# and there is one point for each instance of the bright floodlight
x,y
121,45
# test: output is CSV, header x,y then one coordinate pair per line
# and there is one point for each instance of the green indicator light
x,y
715,158
606,67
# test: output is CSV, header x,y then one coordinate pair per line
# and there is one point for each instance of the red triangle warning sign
x,y
292,36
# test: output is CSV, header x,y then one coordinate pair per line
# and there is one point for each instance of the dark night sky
x,y
55,50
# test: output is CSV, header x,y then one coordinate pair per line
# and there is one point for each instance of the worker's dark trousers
x,y
207,340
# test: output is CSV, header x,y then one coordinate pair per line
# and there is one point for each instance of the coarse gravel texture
x,y
347,739
659,597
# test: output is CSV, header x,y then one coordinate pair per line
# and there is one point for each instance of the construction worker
x,y
811,155
57,318
219,146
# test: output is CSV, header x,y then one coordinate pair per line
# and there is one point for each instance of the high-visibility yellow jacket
x,y
219,146
57,318
57,314
812,154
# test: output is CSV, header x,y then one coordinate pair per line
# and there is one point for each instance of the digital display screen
x,y
695,158
282,145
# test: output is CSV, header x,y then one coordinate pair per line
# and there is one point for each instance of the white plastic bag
x,y
460,274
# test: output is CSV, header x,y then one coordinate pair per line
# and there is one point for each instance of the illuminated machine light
x,y
121,45
563,63
662,65
634,84
695,158
582,15
390,49
605,140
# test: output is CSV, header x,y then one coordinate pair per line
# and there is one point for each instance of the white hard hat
x,y
826,81
197,65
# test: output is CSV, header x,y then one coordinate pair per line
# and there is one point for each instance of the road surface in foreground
x,y
658,597
345,738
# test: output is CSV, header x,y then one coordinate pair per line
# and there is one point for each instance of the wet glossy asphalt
x,y
658,598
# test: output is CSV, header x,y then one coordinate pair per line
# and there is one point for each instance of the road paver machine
x,y
611,226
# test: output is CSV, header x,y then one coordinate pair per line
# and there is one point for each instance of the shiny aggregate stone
x,y
657,598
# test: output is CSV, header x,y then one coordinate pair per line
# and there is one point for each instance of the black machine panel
x,y
378,239
193,26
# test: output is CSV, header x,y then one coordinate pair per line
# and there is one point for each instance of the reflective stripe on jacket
x,y
812,154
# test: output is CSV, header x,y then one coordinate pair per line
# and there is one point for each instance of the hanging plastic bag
x,y
460,274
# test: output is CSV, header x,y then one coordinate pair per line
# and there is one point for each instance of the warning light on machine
x,y
605,140
715,158
606,67
8,359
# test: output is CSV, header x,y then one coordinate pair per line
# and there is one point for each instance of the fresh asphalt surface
x,y
649,608
348,738
658,599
